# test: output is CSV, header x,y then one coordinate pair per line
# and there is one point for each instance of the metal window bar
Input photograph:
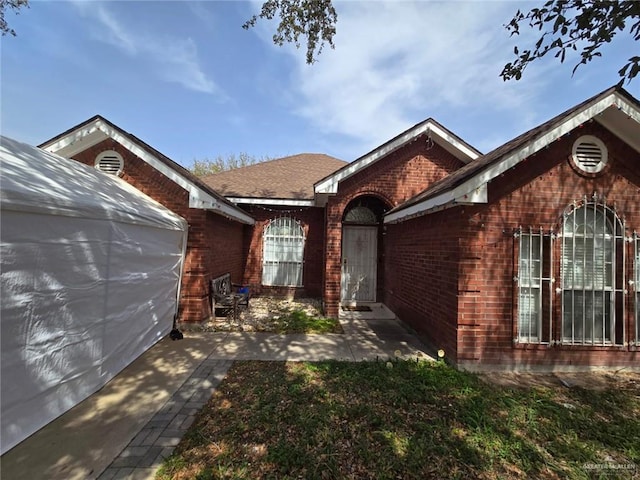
x,y
636,284
283,253
589,276
530,280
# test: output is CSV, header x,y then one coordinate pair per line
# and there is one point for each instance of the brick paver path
x,y
159,437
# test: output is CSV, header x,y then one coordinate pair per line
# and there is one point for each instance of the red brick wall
x,y
534,194
312,222
422,258
214,243
394,179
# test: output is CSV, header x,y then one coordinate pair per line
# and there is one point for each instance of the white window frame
x,y
283,253
531,285
582,284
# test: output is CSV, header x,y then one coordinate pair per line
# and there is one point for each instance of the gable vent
x,y
589,154
110,162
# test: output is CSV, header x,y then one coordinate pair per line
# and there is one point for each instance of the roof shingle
x,y
290,178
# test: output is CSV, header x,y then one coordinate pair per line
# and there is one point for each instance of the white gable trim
x,y
273,201
457,196
198,198
330,184
469,188
84,138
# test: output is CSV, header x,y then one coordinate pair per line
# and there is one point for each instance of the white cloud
x,y
175,59
396,63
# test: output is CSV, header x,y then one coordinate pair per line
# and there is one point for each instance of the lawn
x,y
404,420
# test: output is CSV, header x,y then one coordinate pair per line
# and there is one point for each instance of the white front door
x,y
359,264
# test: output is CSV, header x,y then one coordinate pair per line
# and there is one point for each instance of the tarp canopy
x,y
90,275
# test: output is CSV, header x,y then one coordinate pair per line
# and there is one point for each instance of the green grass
x,y
403,419
298,321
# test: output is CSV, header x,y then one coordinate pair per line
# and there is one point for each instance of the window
x,y
636,245
283,253
591,244
360,215
530,287
110,162
535,282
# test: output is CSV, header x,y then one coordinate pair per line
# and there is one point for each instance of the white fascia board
x,y
466,151
77,141
202,200
198,198
330,185
456,195
627,107
273,201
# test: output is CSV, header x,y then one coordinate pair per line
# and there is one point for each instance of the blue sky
x,y
187,79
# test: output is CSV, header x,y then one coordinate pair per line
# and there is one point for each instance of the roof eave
x,y
289,202
480,180
440,135
453,198
93,132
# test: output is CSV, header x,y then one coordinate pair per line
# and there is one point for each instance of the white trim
x,y
198,198
480,180
273,201
330,184
450,198
81,138
625,106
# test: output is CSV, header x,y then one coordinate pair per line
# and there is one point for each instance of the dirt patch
x,y
590,380
263,314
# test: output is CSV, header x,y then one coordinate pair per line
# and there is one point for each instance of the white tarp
x,y
90,272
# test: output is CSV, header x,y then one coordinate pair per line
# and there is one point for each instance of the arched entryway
x,y
361,241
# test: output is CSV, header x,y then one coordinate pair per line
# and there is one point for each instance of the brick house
x,y
304,204
486,255
526,257
529,257
285,248
216,226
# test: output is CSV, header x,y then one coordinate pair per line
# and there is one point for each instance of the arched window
x,y
283,251
361,215
592,241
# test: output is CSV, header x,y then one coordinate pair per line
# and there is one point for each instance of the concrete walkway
x,y
125,430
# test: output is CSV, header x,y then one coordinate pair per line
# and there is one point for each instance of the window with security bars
x,y
636,284
283,251
533,280
592,275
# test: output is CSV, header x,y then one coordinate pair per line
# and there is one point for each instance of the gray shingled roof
x,y
289,178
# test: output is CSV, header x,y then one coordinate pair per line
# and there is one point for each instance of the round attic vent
x,y
589,154
110,162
